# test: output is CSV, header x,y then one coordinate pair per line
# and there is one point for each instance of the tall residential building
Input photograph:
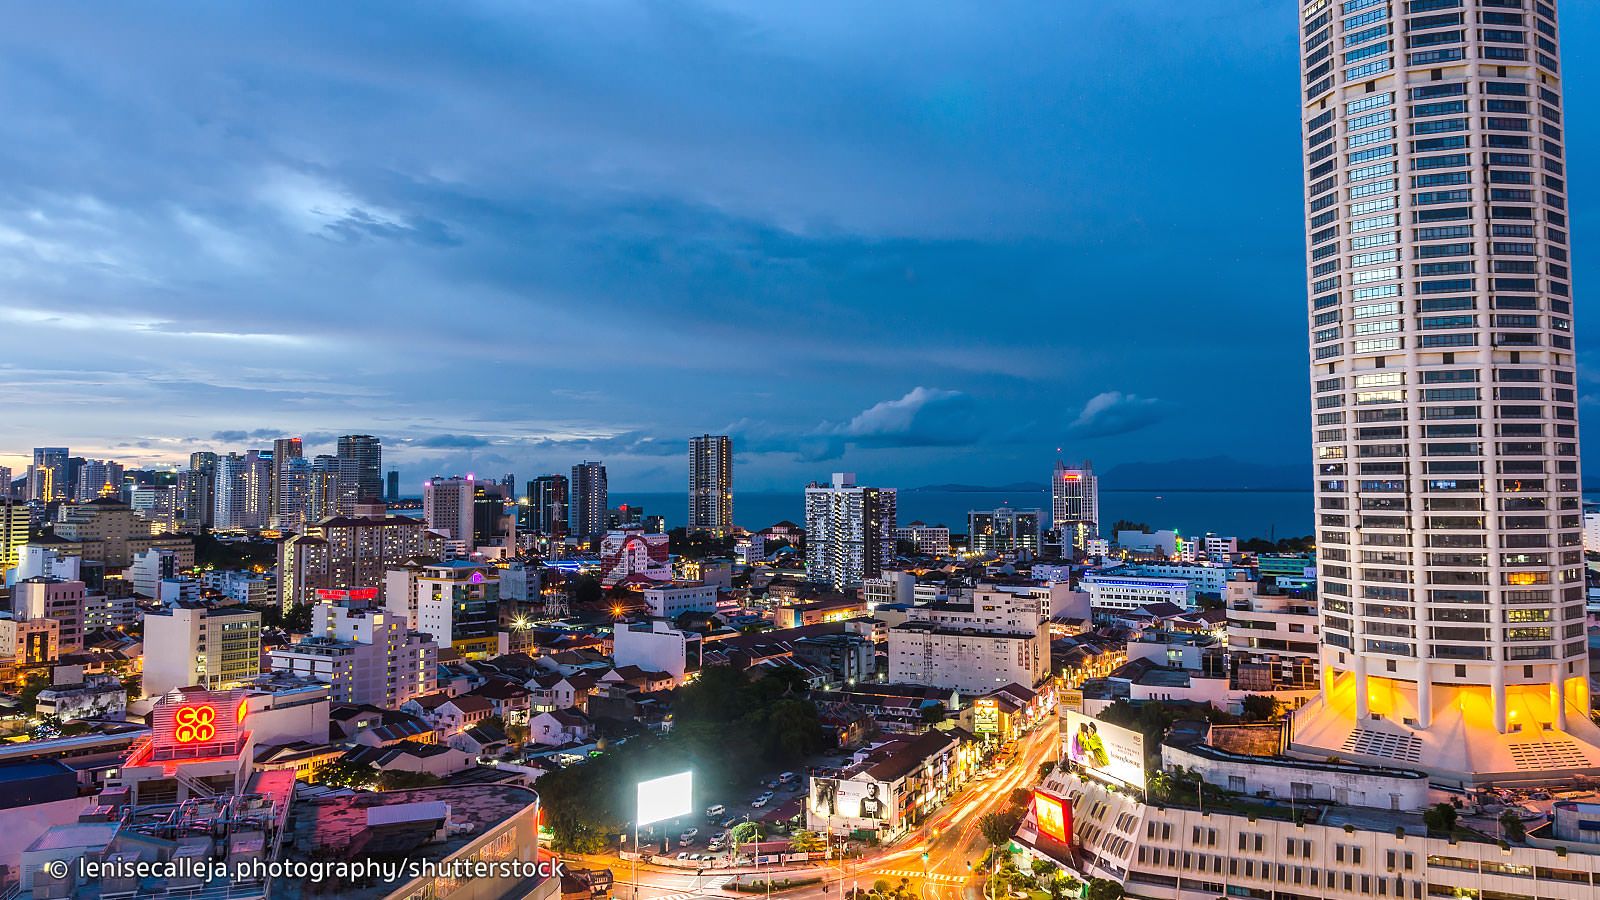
x,y
5,482
1074,504
291,494
197,487
547,505
191,644
284,452
391,486
711,483
322,488
850,531
447,506
48,475
590,498
350,552
365,653
242,493
55,599
97,478
1451,582
360,471
14,520
995,639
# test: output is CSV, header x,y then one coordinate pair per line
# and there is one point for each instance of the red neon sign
x,y
1050,814
195,724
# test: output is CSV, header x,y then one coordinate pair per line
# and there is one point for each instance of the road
x,y
950,837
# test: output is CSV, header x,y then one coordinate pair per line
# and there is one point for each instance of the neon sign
x,y
195,724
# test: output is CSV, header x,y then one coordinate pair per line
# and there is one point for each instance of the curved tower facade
x,y
1444,406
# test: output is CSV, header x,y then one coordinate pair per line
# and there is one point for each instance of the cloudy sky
x,y
924,241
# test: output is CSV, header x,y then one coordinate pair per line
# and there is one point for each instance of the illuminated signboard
x,y
986,716
333,595
1104,751
198,721
1052,817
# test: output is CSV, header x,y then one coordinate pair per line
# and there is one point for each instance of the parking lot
x,y
760,799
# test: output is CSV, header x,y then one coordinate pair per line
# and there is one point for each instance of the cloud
x,y
923,417
1112,412
237,436
449,441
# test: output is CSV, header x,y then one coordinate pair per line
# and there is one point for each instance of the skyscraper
x,y
391,488
242,492
322,488
14,522
47,476
1445,419
850,531
547,505
1074,504
360,471
291,494
97,478
447,506
711,483
196,488
590,498
284,450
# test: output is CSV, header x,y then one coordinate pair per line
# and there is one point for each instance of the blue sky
x,y
921,241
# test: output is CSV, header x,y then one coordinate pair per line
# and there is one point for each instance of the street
x,y
950,837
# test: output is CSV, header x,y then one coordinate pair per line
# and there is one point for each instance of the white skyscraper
x,y
1074,504
711,483
243,491
850,531
1445,417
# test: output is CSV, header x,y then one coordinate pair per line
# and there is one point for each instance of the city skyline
x,y
856,261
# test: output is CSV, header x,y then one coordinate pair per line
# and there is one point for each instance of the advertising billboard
x,y
848,799
1104,751
668,797
1052,816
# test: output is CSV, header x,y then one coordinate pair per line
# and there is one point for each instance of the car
x,y
760,801
683,856
716,812
689,834
731,821
786,777
716,846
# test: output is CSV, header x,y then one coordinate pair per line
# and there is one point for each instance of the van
x,y
786,777
716,812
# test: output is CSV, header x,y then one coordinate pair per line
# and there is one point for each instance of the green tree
x,y
744,833
1045,768
298,619
806,842
344,773
1261,708
1511,826
400,781
1104,889
998,827
1441,819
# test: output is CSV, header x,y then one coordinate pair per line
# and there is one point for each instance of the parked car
x,y
760,801
786,777
716,812
689,834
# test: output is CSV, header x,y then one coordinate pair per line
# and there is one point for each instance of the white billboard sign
x,y
668,797
1105,751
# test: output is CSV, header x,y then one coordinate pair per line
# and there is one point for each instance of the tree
x,y
933,713
1129,525
1043,869
1441,819
344,773
1104,889
806,842
1261,708
998,827
1511,826
400,781
1045,768
298,619
905,547
744,833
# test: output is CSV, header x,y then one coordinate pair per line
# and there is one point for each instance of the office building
x,y
345,552
243,492
547,505
456,602
157,505
927,540
5,483
48,475
494,526
391,487
711,483
1443,375
1074,505
850,531
590,498
109,532
97,478
669,601
197,486
14,519
59,601
192,644
365,654
995,639
360,471
447,507
1114,590
1005,530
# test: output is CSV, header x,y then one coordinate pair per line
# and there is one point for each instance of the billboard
x,y
199,723
986,716
849,799
668,797
1052,816
1105,751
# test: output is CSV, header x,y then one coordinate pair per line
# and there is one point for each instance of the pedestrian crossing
x,y
915,874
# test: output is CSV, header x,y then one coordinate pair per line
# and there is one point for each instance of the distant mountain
x,y
1015,487
1217,473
